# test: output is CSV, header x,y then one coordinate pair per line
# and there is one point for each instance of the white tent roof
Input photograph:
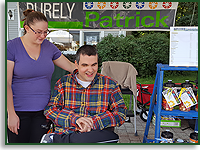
x,y
60,36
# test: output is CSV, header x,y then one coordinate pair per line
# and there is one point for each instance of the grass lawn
x,y
192,76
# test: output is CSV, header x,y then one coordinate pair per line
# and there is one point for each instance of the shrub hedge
x,y
143,52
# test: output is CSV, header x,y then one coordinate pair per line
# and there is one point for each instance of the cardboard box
x,y
170,123
176,123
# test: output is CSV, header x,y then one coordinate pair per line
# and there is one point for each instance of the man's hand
x,y
85,124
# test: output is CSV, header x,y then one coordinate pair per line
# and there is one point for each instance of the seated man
x,y
85,105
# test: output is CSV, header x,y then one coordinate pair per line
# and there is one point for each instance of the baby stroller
x,y
143,99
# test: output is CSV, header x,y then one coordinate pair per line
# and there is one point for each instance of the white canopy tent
x,y
60,36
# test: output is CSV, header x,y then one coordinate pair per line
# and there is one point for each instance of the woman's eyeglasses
x,y
40,33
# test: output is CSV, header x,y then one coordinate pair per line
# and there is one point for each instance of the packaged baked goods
x,y
187,96
170,96
167,85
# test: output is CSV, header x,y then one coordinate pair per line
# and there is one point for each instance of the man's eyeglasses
x,y
40,33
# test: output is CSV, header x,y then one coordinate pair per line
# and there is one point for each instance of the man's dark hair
x,y
86,50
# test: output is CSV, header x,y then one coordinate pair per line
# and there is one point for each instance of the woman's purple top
x,y
31,78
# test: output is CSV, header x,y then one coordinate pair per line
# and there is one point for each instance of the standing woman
x,y
30,65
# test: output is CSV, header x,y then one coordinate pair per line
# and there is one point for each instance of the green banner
x,y
106,15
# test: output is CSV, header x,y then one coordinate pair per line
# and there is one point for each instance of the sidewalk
x,y
127,135
126,131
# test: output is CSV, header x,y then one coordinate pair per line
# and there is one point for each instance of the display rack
x,y
156,102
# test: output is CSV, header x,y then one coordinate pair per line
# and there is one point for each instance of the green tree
x,y
187,14
143,53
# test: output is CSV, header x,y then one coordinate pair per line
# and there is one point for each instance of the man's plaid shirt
x,y
101,100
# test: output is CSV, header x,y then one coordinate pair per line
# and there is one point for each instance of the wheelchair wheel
x,y
144,115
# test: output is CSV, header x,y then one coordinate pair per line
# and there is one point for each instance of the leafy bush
x,y
143,52
70,57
